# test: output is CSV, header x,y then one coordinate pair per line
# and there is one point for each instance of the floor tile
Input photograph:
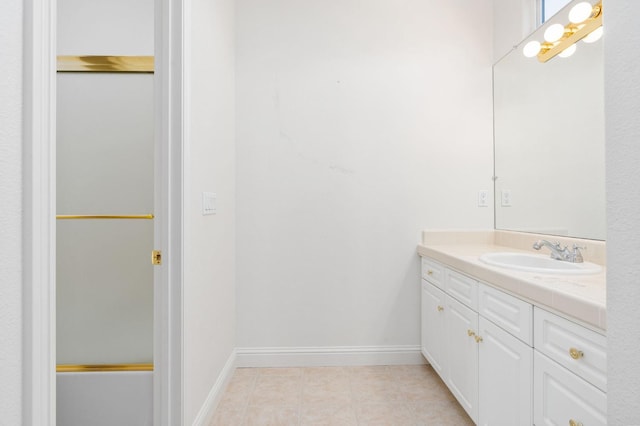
x,y
276,390
328,415
443,413
385,413
272,415
228,415
343,396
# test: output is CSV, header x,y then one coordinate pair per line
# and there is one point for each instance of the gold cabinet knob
x,y
574,423
471,333
429,272
575,354
478,339
440,308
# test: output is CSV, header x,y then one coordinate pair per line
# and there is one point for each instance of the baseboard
x,y
205,414
329,356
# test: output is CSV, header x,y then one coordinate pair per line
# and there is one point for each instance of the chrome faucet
x,y
560,253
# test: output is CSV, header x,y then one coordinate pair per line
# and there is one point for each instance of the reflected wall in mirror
x,y
549,141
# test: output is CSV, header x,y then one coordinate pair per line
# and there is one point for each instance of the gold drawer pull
x,y
574,423
429,272
471,333
575,354
440,308
478,339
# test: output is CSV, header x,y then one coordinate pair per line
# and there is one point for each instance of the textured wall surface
x,y
359,125
622,109
10,210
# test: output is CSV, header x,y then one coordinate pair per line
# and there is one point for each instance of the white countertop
x,y
578,297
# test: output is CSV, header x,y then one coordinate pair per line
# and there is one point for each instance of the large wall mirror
x,y
549,140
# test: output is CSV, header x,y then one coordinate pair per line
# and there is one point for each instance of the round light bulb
x,y
554,33
531,49
568,51
580,12
593,36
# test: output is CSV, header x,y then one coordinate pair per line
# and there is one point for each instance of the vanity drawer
x,y
433,272
562,398
511,314
463,288
577,348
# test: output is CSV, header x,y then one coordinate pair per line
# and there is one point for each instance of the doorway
x,y
39,212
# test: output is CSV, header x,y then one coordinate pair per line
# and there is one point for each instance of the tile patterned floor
x,y
404,395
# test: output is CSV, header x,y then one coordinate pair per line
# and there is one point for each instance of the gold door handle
x,y
575,354
574,423
156,257
440,308
471,333
478,339
429,272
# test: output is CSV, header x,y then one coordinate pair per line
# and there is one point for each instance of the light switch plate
x,y
208,203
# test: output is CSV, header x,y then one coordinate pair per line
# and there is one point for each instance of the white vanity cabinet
x,y
487,369
570,373
506,358
506,361
433,340
462,355
505,377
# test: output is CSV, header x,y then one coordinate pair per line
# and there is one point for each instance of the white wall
x,y
622,105
10,211
359,125
209,283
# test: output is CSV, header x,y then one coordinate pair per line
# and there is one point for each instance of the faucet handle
x,y
540,243
576,255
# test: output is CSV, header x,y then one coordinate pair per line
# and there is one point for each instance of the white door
x,y
105,235
505,377
462,355
433,326
561,397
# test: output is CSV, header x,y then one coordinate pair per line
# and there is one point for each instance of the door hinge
x,y
156,257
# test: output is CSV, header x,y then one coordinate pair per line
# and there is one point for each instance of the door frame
x,y
39,210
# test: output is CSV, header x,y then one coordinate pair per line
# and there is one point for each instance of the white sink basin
x,y
538,263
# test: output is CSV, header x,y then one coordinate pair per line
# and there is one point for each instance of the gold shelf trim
x,y
132,64
104,216
86,368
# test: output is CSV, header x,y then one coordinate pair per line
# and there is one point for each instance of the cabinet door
x,y
582,351
562,398
505,375
462,355
433,326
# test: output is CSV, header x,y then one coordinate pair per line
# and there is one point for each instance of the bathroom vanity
x,y
514,347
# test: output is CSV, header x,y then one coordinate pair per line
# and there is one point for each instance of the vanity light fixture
x,y
568,51
554,33
580,12
594,36
531,49
585,23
